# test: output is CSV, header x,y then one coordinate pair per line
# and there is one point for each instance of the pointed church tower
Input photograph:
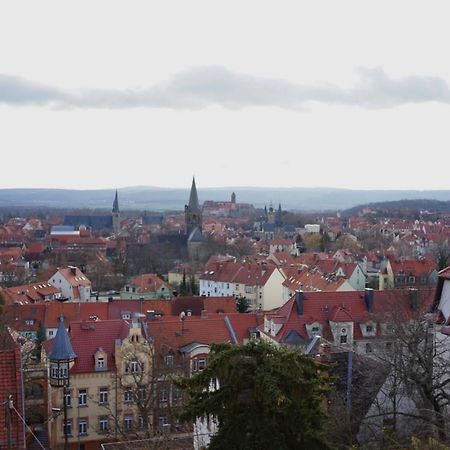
x,y
279,217
192,211
116,214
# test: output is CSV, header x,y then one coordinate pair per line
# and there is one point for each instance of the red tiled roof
x,y
117,307
412,267
73,312
149,282
29,293
16,316
10,253
244,273
174,333
36,248
322,307
88,336
10,384
306,280
75,279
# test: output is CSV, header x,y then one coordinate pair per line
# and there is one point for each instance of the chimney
x,y
299,299
151,315
73,270
368,298
413,298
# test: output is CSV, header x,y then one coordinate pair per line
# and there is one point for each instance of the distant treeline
x,y
403,208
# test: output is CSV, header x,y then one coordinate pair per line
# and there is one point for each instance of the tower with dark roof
x,y
192,211
116,214
279,217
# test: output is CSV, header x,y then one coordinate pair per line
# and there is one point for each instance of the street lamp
x,y
61,359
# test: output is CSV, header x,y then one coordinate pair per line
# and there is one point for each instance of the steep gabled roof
x,y
61,348
193,205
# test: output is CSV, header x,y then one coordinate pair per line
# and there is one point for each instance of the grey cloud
x,y
200,87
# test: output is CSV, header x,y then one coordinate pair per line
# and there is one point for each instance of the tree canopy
x,y
267,397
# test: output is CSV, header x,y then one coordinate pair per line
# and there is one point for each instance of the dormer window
x,y
100,358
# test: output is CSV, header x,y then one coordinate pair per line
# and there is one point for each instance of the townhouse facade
x,y
260,283
120,386
72,283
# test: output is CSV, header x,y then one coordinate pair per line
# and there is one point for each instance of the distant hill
x,y
415,205
163,199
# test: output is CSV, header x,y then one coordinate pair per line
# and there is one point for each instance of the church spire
x,y
193,198
116,203
193,212
116,214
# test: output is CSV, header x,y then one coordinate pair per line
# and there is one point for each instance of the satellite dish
x,y
182,315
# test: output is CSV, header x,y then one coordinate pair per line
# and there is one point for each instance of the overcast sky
x,y
349,94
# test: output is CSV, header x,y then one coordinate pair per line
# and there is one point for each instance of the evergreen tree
x,y
267,398
183,285
192,285
242,304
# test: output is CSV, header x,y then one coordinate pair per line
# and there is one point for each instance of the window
x,y
134,366
141,422
201,363
176,393
128,395
29,321
51,332
68,399
58,372
128,423
103,395
142,394
101,362
103,424
343,339
169,360
315,329
82,427
194,365
163,396
126,316
412,280
82,397
162,421
67,428
369,328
